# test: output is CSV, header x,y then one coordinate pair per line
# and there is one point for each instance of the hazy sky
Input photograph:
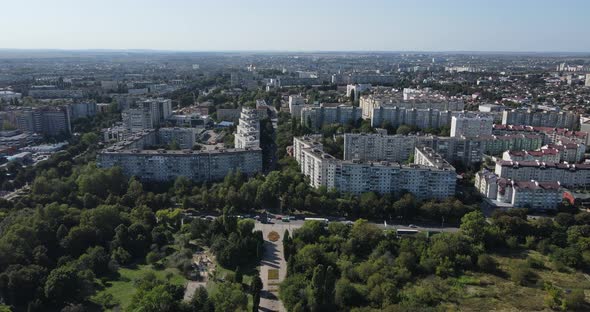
x,y
429,25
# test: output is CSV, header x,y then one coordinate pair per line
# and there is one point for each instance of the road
x,y
389,226
273,259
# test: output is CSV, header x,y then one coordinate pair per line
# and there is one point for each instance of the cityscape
x,y
181,167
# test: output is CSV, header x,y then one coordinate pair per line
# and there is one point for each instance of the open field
x,y
123,289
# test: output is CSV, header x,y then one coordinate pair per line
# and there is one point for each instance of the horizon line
x,y
285,50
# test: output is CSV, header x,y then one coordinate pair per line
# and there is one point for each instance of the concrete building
x,y
228,114
138,119
248,130
46,120
80,110
549,155
399,148
538,118
428,157
296,104
184,137
587,81
160,109
422,118
316,117
356,90
470,126
357,177
519,194
569,175
550,134
165,165
8,96
369,103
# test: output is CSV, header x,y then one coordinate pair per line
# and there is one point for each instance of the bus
x,y
401,232
322,220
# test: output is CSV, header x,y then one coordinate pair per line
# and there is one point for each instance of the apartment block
x,y
550,134
421,118
184,137
316,117
369,103
569,175
469,125
356,176
248,130
165,165
538,118
519,194
82,110
296,104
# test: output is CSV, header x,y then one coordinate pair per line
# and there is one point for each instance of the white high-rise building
x,y
296,103
471,125
248,131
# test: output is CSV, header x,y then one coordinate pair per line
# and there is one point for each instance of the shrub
x,y
521,274
486,263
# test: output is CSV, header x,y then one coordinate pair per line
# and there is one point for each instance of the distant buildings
x,y
79,110
356,90
248,130
369,103
535,118
52,92
550,134
420,118
8,96
316,117
148,114
296,104
470,126
46,120
374,79
184,137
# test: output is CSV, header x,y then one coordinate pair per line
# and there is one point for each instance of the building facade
x,y
537,118
470,126
357,177
248,130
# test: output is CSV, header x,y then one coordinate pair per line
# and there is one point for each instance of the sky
x,y
302,25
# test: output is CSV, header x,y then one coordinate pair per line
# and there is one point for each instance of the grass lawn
x,y
123,288
487,292
273,274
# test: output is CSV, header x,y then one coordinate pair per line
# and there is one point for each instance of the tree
x,y
473,226
156,299
329,286
239,276
229,297
255,289
318,287
68,284
403,130
201,302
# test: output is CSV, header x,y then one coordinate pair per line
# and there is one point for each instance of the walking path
x,y
273,267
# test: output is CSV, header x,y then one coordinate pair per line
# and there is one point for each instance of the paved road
x,y
389,226
273,259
